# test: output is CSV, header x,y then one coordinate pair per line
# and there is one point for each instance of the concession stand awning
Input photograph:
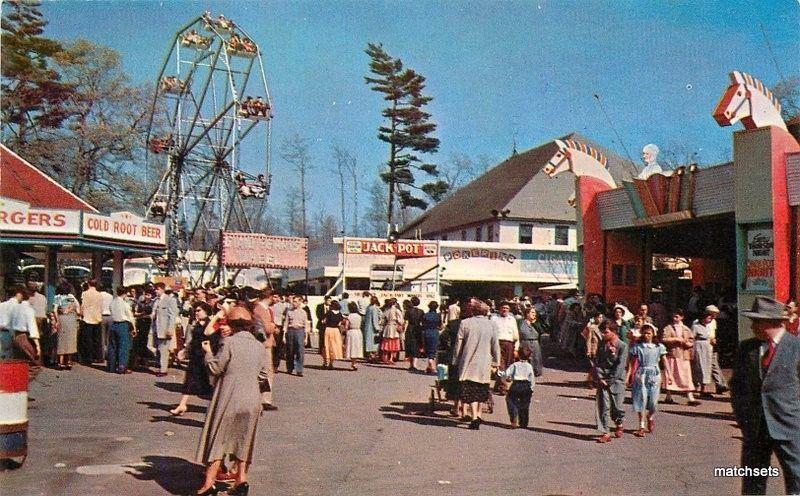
x,y
42,219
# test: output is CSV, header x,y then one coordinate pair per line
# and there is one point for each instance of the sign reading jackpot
x,y
401,249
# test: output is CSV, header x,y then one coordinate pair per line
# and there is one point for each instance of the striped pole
x,y
13,408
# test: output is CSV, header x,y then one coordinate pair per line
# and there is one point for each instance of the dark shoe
x,y
694,403
211,491
269,408
240,490
722,389
669,401
475,424
299,374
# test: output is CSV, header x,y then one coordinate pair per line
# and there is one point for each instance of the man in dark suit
x,y
321,310
765,392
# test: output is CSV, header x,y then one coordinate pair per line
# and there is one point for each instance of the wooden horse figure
x,y
749,101
581,160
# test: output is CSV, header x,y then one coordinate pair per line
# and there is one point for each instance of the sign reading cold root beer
x,y
401,249
760,262
124,226
262,251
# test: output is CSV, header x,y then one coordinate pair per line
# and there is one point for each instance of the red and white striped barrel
x,y
13,408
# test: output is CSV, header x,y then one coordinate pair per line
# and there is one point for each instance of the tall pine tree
x,y
408,130
34,98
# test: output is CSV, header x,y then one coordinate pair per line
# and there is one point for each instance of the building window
x,y
630,275
479,233
616,275
490,232
562,235
526,234
463,235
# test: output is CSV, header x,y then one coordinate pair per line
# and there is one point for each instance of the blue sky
x,y
495,69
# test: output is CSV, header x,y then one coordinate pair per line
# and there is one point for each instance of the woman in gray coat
x,y
477,350
240,366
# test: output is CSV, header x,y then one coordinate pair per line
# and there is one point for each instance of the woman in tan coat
x,y
240,367
679,341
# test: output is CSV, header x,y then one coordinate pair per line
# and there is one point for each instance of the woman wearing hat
x,y
240,366
702,351
647,355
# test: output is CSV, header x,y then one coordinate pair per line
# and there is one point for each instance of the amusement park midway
x,y
367,432
214,281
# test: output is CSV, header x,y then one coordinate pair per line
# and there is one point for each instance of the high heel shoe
x,y
240,490
178,411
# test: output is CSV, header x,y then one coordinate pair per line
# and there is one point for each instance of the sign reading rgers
x,y
401,249
21,217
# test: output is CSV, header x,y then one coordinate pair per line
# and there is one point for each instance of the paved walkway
x,y
366,432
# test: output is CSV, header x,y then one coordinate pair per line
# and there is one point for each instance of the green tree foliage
x,y
407,129
94,151
34,96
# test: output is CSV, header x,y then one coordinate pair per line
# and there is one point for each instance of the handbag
x,y
263,382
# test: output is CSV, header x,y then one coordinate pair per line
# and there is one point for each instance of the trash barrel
x,y
13,411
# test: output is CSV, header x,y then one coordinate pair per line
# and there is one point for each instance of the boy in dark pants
x,y
519,395
609,374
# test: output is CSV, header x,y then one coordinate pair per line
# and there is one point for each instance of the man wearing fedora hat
x,y
765,392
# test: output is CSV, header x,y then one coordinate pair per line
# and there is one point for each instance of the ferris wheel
x,y
208,140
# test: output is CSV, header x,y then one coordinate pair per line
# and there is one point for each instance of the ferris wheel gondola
x,y
208,141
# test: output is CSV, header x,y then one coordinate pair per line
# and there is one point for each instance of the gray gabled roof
x,y
514,184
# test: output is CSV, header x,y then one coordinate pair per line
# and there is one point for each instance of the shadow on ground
x,y
172,387
174,475
152,405
177,420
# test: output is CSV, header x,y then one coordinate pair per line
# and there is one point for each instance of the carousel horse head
x,y
581,160
559,162
749,101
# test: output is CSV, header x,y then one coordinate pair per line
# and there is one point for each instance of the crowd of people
x,y
233,340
